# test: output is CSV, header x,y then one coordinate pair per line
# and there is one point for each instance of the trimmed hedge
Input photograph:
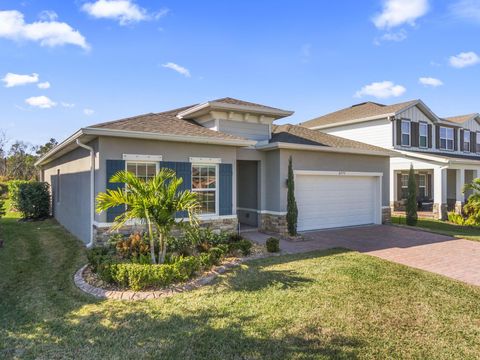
x,y
141,276
33,200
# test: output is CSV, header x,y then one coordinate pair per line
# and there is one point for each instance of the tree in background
x,y
3,154
411,209
43,149
21,162
292,210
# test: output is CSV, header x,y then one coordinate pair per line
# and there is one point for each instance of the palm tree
x,y
155,202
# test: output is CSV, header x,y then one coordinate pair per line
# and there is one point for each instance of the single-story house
x,y
231,154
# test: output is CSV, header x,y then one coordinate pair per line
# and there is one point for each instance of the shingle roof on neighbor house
x,y
359,111
232,101
296,134
460,119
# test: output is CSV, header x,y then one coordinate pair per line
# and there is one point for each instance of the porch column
x,y
440,193
460,197
393,187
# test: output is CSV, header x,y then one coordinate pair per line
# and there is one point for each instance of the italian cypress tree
x,y
411,210
292,211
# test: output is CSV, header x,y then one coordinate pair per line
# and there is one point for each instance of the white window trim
x,y
157,164
205,160
409,133
477,145
142,157
469,141
420,124
217,202
447,129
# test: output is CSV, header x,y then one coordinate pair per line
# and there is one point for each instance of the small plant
x,y
2,208
244,246
134,247
292,210
411,207
273,245
455,218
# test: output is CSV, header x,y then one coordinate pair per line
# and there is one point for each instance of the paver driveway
x,y
455,258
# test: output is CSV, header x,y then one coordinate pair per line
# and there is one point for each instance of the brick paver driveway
x,y
455,258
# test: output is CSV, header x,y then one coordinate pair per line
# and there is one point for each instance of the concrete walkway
x,y
456,258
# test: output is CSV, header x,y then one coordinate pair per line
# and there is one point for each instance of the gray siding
x,y
247,130
71,207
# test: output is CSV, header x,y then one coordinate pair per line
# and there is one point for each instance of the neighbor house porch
x,y
440,182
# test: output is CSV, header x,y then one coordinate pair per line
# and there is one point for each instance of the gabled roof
x,y
363,111
165,123
300,135
460,119
229,100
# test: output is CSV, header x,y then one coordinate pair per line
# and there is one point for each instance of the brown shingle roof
x,y
165,123
296,134
359,111
460,119
229,100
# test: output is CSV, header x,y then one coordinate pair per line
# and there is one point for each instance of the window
x,y
404,185
466,141
422,186
446,138
405,132
142,170
423,132
478,143
58,186
204,183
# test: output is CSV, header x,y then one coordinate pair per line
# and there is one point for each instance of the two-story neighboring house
x,y
445,152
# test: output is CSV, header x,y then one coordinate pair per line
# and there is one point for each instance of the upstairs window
x,y
406,132
423,135
466,141
204,183
478,142
446,138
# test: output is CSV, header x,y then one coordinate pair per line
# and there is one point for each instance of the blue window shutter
x,y
114,166
226,193
182,170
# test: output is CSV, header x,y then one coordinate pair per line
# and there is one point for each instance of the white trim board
x,y
141,157
137,222
205,160
336,173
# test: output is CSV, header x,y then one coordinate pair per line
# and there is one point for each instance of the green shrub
x,y
244,246
235,237
3,190
455,218
411,206
33,200
14,192
141,276
2,208
216,255
273,245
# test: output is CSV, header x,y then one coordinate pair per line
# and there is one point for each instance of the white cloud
x,y
124,11
67,105
464,59
381,90
88,112
48,15
395,36
44,85
12,80
399,12
430,81
175,67
42,102
46,32
466,9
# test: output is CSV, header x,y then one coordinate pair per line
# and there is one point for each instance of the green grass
x,y
443,227
333,304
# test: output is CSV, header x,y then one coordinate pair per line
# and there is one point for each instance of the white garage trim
x,y
377,193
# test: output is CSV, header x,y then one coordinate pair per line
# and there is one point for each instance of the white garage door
x,y
329,201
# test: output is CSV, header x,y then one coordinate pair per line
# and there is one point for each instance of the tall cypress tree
x,y
411,209
292,210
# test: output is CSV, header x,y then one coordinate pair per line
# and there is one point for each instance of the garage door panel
x,y
334,201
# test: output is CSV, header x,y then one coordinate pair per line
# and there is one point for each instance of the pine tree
x,y
411,209
292,211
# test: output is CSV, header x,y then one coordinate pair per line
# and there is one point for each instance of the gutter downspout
x,y
92,188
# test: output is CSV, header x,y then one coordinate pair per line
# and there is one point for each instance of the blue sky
x,y
108,59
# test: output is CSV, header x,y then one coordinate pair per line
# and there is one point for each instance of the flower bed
x,y
125,263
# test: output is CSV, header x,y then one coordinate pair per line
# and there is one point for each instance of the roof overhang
x,y
88,134
328,149
205,108
441,159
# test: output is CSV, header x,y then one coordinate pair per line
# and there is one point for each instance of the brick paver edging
x,y
144,295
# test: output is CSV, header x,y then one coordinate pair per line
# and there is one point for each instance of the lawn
x,y
443,227
334,304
